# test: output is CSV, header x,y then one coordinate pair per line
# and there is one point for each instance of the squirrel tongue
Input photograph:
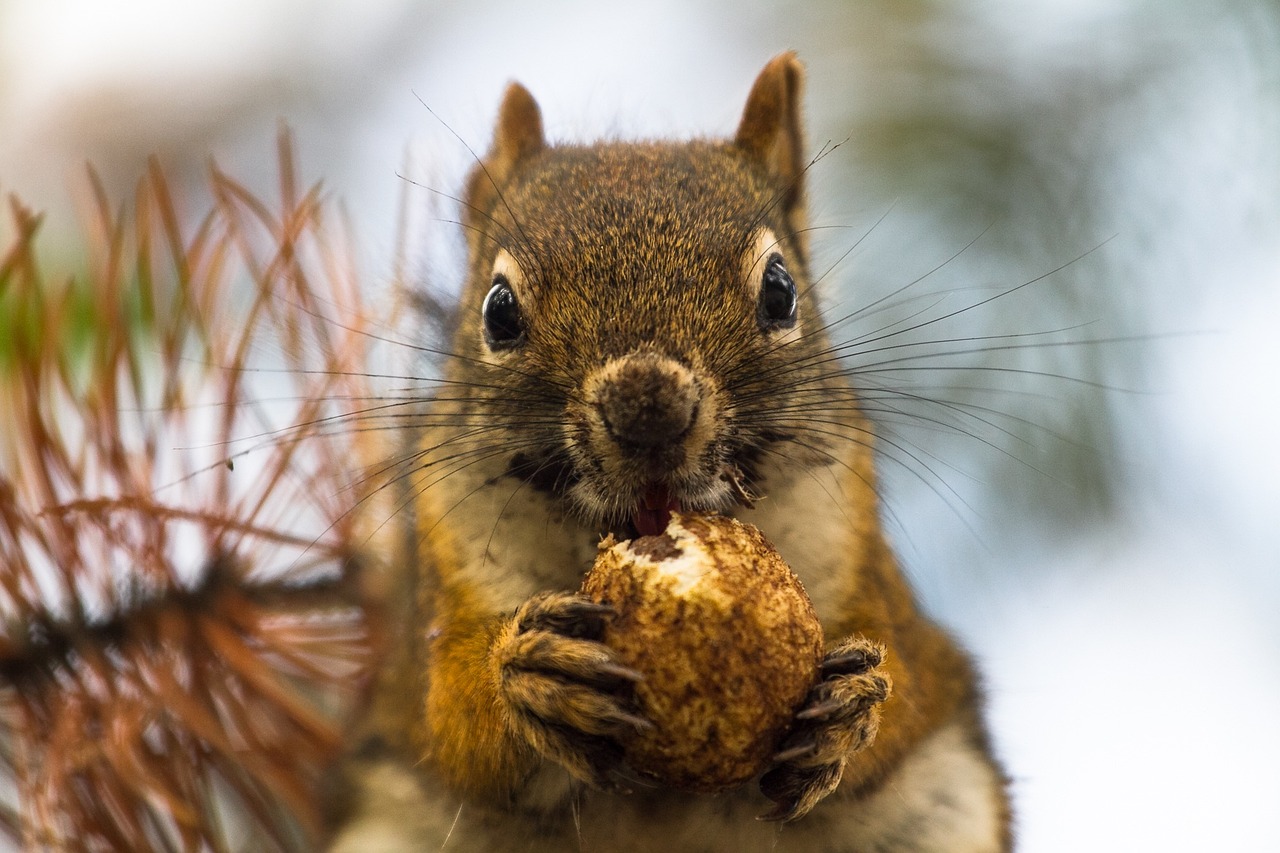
x,y
654,511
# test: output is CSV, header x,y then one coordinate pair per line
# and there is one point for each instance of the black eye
x,y
777,308
503,319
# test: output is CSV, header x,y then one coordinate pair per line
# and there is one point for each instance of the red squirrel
x,y
639,334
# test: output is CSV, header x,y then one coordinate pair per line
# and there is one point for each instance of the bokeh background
x,y
1082,474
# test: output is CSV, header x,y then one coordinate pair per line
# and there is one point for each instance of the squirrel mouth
x,y
653,512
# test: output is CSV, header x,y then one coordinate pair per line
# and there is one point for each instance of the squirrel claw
x,y
821,710
840,716
623,673
566,694
796,793
853,657
565,614
800,750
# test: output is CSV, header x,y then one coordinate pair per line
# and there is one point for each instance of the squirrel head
x,y
636,314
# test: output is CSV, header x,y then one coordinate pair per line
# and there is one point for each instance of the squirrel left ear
x,y
771,131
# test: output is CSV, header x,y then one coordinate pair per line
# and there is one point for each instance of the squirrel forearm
x,y
466,736
932,678
921,701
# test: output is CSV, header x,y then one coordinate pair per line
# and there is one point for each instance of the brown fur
x,y
628,263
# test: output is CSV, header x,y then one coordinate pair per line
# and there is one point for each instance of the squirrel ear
x,y
771,131
517,136
519,130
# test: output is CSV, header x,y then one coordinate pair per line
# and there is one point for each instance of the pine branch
x,y
181,626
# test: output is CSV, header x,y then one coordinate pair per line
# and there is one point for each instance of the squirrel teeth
x,y
654,511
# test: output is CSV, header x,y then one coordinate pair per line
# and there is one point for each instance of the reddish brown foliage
x,y
179,630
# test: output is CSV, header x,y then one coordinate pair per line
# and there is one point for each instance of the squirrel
x,y
638,335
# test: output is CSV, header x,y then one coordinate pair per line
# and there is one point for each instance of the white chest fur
x,y
943,799
805,515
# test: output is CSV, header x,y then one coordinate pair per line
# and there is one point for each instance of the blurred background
x,y
1053,226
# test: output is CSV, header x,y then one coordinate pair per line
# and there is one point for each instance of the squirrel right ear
x,y
517,136
519,130
771,130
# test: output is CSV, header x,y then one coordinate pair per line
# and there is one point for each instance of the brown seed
x,y
726,638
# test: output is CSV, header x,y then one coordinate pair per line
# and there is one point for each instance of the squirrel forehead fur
x,y
624,245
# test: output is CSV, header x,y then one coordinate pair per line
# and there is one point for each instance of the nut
x,y
727,641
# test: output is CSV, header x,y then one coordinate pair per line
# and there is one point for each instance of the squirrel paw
x,y
840,716
566,695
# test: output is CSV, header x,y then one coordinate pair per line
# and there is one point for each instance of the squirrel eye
x,y
777,308
503,319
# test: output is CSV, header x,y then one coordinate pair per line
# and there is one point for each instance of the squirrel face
x,y
640,312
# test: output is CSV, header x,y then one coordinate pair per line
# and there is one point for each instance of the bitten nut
x,y
727,641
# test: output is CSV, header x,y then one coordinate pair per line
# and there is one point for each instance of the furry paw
x,y
840,716
565,693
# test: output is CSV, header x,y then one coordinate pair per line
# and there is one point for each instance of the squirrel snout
x,y
647,401
643,435
649,410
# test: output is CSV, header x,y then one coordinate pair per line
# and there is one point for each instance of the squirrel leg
x,y
840,716
564,692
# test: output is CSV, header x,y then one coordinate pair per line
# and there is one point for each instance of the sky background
x,y
1097,515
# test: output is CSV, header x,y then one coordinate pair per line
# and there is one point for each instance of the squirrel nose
x,y
648,401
